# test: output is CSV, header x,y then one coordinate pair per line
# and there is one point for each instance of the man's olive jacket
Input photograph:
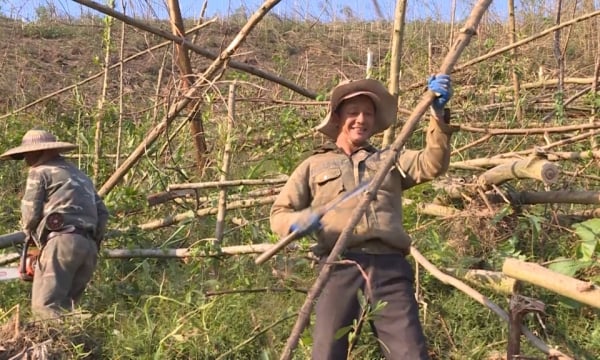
x,y
58,186
329,173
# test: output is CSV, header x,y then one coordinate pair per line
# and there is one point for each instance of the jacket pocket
x,y
327,184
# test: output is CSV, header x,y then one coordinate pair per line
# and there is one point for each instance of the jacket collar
x,y
330,146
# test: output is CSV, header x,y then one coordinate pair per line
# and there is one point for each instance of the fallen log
x,y
189,195
486,163
9,258
184,252
219,184
493,280
181,253
11,239
532,168
163,197
171,220
582,291
484,300
549,197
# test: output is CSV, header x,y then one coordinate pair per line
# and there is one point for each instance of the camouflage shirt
x,y
330,173
59,186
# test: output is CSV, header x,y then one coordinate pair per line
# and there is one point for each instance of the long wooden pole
x,y
512,29
397,44
222,204
187,79
451,58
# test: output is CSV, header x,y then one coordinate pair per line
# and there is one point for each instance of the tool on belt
x,y
299,232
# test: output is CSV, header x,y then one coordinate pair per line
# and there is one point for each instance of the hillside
x,y
209,305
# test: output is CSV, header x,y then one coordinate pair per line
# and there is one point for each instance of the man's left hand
x,y
441,85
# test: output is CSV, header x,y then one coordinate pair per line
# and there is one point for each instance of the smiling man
x,y
375,259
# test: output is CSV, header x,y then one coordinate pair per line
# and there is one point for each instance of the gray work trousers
x,y
396,326
65,267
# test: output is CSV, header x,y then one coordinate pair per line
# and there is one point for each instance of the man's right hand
x,y
307,223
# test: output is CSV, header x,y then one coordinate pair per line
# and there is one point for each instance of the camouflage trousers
x,y
65,267
385,278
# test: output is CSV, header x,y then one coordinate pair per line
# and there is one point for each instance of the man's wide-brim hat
x,y
385,104
37,140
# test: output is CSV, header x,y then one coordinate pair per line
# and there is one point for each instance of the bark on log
x,y
493,280
219,184
163,197
486,163
187,78
549,197
166,253
183,252
532,168
9,258
170,220
584,292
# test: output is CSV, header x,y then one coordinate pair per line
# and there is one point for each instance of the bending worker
x,y
66,218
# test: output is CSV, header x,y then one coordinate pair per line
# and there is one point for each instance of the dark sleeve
x,y
102,219
32,203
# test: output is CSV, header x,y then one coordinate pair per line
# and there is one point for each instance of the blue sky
x,y
323,10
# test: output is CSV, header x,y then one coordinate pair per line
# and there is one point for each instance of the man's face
x,y
31,158
356,119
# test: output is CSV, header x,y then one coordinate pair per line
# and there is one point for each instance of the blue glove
x,y
441,85
307,224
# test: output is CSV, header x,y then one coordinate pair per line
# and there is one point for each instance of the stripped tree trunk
x,y
106,40
512,28
187,79
394,84
220,227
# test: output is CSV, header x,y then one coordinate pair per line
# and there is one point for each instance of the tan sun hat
x,y
36,140
385,104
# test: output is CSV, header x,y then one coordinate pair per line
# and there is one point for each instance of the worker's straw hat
x,y
36,140
385,104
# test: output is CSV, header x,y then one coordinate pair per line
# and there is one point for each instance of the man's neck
x,y
348,147
46,156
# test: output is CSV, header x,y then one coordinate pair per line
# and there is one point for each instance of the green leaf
x,y
342,332
589,233
588,230
567,267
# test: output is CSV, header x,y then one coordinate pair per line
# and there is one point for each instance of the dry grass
x,y
54,340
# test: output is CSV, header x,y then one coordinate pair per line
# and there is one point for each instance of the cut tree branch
x,y
480,298
582,291
538,169
180,40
